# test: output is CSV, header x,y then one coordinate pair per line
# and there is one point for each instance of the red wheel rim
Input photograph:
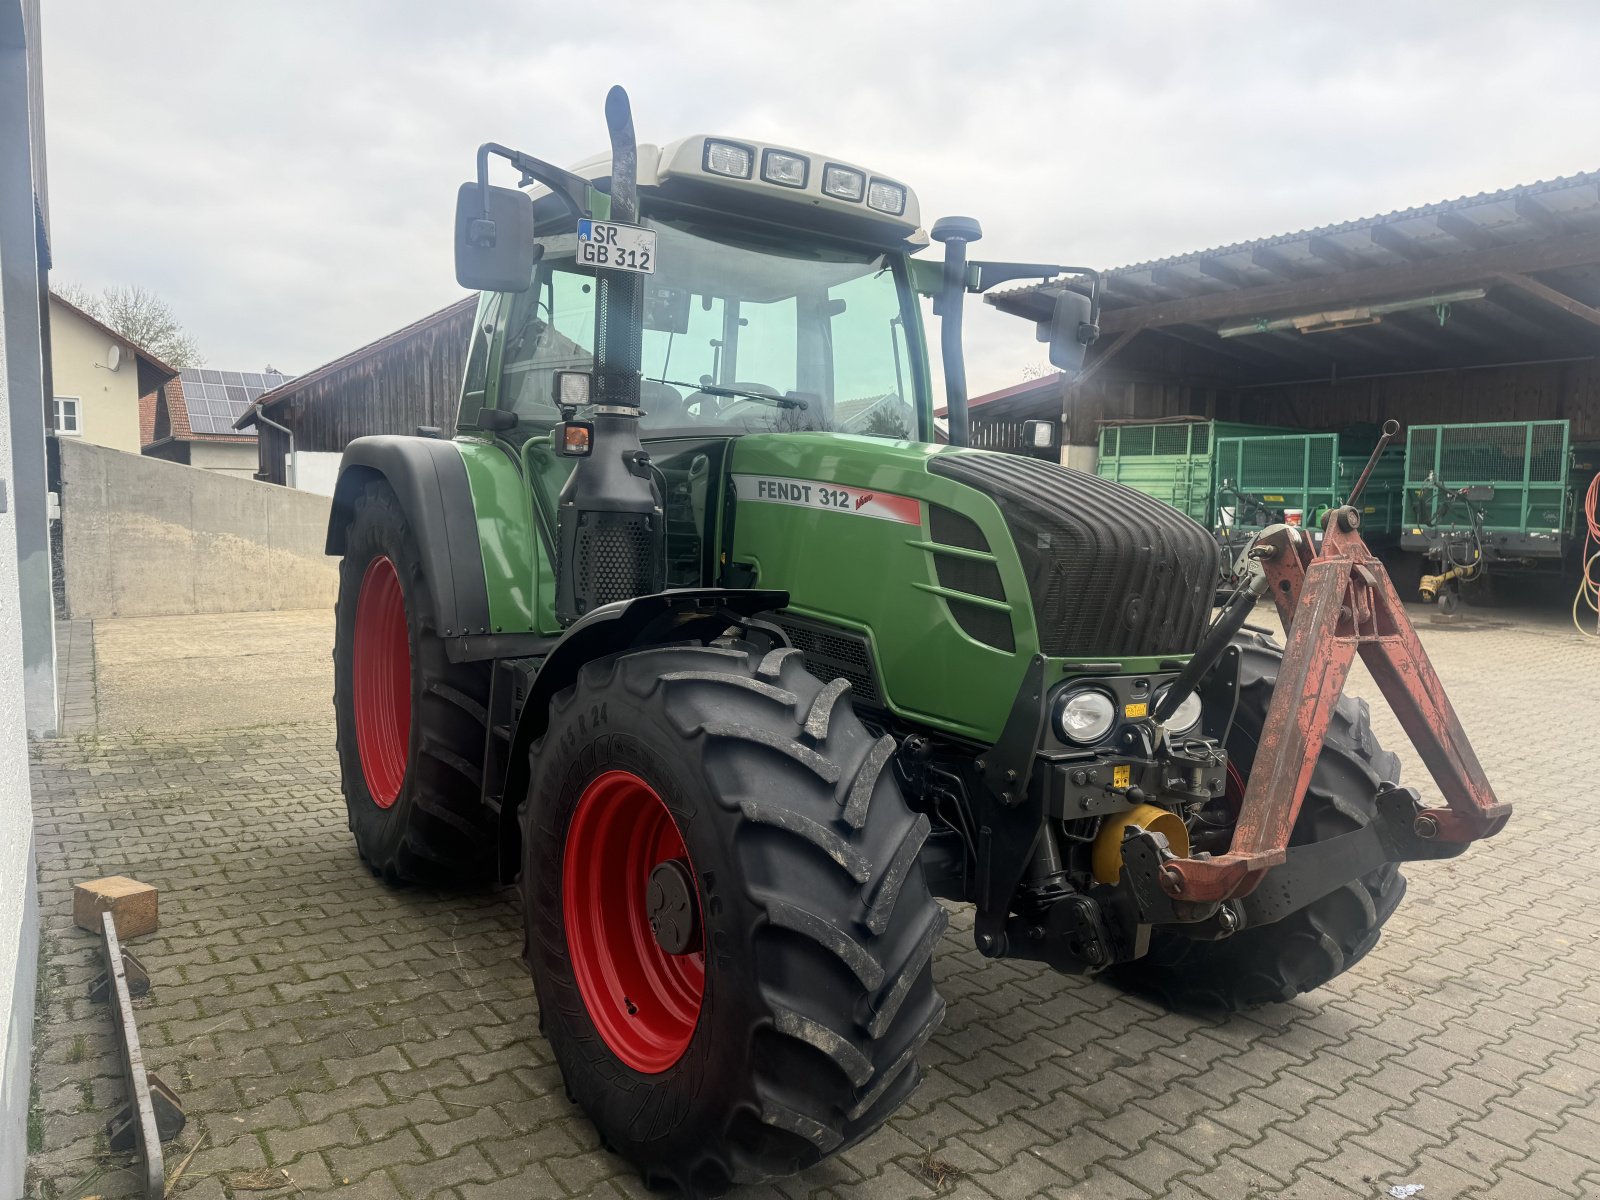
x,y
381,681
644,1002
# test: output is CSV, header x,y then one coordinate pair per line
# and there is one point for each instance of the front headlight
x,y
1085,717
1188,714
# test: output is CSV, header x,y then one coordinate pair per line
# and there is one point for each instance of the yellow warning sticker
x,y
1274,499
1121,776
1133,711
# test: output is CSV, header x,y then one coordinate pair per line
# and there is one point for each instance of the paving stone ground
x,y
333,1036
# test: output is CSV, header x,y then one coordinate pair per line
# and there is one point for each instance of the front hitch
x,y
1335,604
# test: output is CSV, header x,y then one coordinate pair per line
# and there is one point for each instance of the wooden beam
x,y
1532,211
1170,279
1549,295
1280,265
1387,237
1117,345
1330,251
1468,233
1215,269
1257,359
1369,283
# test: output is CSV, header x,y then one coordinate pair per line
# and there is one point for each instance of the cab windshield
x,y
743,332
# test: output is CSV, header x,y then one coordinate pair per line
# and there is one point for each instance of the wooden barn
x,y
397,384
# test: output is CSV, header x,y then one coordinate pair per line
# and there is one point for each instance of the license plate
x,y
617,247
1121,776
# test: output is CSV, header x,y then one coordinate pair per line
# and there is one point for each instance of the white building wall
x,y
19,917
21,144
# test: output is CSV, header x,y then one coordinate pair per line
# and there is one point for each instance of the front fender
x,y
430,480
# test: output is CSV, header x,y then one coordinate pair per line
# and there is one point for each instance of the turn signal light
x,y
577,439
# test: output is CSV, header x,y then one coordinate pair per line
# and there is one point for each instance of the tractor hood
x,y
1111,572
959,564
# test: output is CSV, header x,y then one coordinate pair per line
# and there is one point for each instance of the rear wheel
x,y
1327,937
410,722
727,923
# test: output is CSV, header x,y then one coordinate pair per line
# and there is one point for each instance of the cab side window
x,y
550,328
475,385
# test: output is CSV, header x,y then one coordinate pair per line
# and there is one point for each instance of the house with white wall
x,y
97,376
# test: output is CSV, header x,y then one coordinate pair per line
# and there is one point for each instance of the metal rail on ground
x,y
153,1113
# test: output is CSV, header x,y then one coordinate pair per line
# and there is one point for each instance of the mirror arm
x,y
564,185
990,274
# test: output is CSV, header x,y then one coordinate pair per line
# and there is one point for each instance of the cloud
x,y
284,174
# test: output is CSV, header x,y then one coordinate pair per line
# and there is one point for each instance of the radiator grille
x,y
1110,570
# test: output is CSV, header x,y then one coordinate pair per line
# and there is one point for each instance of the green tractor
x,y
697,630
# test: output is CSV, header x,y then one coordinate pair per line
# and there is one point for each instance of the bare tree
x,y
139,315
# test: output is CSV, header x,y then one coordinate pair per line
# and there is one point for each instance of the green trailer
x,y
1172,461
1261,476
1487,498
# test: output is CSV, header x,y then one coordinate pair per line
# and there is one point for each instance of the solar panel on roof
x,y
216,399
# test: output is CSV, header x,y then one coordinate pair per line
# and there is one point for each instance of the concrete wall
x,y
238,460
108,401
142,537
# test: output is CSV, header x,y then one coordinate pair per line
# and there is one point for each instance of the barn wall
x,y
1548,391
411,379
1541,392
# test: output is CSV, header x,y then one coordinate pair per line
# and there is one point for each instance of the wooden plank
x,y
1369,283
1525,283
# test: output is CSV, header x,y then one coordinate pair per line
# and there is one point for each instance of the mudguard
x,y
671,616
431,482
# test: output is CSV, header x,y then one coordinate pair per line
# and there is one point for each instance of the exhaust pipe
x,y
610,525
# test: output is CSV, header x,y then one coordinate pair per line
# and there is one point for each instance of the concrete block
x,y
132,905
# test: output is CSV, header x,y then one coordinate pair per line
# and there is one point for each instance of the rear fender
x,y
690,614
430,480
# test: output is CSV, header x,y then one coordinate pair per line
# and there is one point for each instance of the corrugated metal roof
x,y
1554,207
1586,181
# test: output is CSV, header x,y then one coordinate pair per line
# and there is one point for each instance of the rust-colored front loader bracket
x,y
1335,604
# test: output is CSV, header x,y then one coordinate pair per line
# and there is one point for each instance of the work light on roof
x,y
843,183
788,170
886,197
729,158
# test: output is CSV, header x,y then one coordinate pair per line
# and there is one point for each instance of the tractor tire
x,y
1272,963
727,923
410,723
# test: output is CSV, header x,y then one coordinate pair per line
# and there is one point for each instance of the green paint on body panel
x,y
515,568
878,576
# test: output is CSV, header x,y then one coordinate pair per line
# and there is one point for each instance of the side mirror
x,y
1039,435
495,251
1072,331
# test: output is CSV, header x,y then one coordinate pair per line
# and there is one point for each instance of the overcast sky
x,y
284,173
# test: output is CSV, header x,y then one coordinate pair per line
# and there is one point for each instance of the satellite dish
x,y
113,357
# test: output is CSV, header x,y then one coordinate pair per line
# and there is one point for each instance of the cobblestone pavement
x,y
323,1028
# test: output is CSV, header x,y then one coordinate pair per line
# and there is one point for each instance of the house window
x,y
67,420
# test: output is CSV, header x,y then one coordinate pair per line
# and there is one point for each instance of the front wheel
x,y
410,723
727,922
1328,936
